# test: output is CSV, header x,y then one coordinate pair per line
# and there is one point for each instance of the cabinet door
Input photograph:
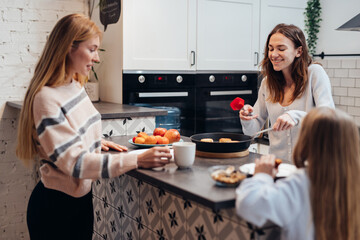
x,y
227,34
274,12
159,34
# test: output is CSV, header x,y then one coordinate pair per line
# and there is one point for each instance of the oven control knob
x,y
179,79
141,79
212,78
244,78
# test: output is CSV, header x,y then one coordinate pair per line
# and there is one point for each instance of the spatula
x,y
237,104
262,131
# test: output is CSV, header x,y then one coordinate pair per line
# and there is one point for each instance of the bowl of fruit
x,y
159,137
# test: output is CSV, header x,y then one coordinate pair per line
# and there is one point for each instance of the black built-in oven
x,y
203,98
214,93
163,89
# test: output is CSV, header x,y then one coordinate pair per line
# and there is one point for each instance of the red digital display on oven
x,y
228,78
160,79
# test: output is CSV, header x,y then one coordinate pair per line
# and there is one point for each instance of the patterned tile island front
x,y
144,204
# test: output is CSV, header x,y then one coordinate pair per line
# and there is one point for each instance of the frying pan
x,y
217,147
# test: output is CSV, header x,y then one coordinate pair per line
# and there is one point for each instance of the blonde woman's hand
x,y
266,164
283,122
246,113
154,157
106,145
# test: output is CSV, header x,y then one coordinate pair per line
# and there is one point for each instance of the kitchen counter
x,y
172,203
194,183
113,110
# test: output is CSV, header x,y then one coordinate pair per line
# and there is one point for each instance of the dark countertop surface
x,y
114,110
194,183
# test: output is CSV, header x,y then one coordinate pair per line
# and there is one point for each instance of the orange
x,y
142,134
158,138
150,140
140,140
163,140
173,135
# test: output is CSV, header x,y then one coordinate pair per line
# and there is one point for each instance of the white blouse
x,y
285,203
318,93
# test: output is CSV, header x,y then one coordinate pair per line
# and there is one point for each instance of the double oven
x,y
203,98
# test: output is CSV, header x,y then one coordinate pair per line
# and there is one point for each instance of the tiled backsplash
x,y
127,126
344,74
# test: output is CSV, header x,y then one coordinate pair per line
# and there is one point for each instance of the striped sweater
x,y
68,131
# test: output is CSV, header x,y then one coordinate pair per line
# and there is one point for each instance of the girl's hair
x,y
330,147
51,71
299,68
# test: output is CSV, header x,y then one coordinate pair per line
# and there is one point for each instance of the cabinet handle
x,y
192,58
256,58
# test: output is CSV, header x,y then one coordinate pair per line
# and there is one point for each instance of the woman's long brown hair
x,y
299,68
51,71
330,147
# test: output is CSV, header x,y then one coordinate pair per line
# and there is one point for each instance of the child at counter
x,y
321,200
59,125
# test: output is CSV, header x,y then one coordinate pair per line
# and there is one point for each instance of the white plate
x,y
218,183
139,151
284,169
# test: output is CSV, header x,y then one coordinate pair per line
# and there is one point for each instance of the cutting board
x,y
223,155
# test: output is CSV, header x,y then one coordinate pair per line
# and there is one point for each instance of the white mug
x,y
184,154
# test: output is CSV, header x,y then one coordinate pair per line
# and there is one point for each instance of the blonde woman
x,y
292,86
59,125
321,200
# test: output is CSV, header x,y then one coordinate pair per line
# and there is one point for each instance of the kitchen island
x,y
171,204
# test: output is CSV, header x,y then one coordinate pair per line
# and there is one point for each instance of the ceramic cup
x,y
184,154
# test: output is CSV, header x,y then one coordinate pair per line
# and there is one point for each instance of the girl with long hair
x,y
321,200
291,86
60,126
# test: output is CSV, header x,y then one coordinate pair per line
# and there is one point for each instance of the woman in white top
x,y
291,87
321,200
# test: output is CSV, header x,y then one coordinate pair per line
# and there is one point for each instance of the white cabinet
x,y
159,34
190,34
274,12
201,34
227,34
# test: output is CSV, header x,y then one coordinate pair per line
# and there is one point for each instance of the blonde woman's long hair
x,y
51,71
329,143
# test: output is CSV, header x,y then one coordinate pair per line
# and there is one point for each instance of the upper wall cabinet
x,y
274,12
201,34
227,34
159,34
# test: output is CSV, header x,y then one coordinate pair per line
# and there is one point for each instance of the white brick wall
x,y
344,74
24,25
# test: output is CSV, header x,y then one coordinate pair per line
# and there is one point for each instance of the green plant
x,y
312,21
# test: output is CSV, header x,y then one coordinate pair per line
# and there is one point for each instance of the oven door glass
x,y
214,112
182,99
